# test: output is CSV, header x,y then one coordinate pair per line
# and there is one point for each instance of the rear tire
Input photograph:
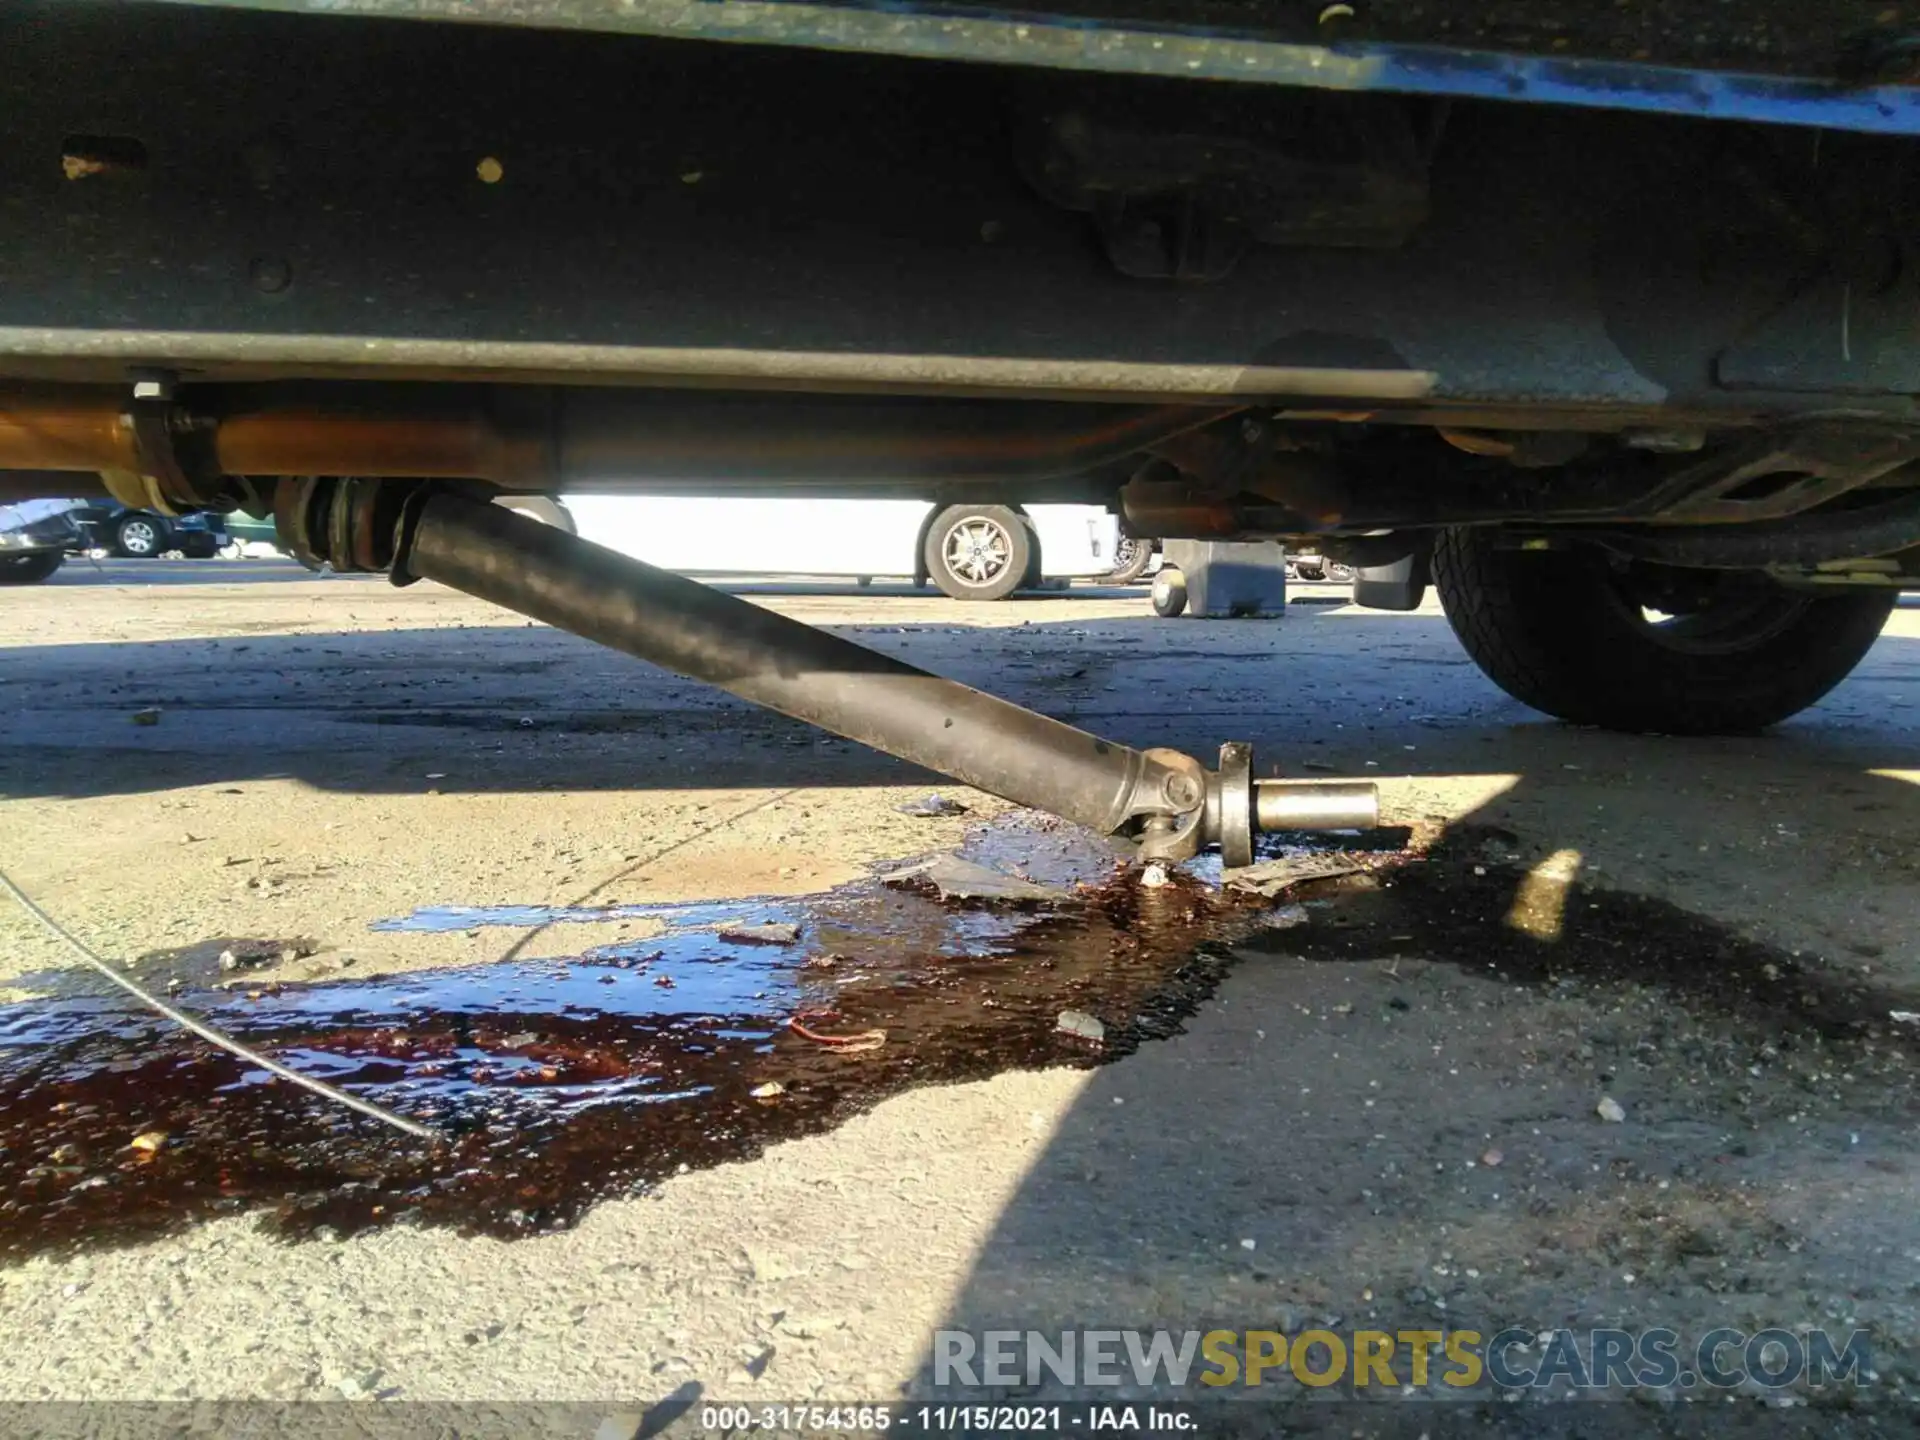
x,y
1644,647
29,569
980,552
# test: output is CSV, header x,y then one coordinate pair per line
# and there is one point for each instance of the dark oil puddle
x,y
559,1083
562,1082
1453,907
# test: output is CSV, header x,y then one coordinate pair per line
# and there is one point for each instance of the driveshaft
x,y
1164,800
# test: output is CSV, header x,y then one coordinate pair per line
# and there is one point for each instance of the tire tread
x,y
1539,627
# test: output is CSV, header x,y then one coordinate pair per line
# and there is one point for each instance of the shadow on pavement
x,y
1391,1118
1388,1120
507,707
104,574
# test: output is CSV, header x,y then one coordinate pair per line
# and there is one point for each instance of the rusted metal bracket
x,y
172,469
1781,474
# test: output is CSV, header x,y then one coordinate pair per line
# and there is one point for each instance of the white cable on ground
x,y
209,1033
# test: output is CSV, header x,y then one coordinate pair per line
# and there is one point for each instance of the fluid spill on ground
x,y
562,1082
1461,908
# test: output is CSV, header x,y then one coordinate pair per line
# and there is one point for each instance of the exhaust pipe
x,y
533,438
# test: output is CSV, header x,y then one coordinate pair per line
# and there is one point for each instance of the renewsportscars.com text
x,y
1213,1360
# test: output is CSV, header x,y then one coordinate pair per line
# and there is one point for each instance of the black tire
x,y
29,569
198,544
1568,632
141,536
980,552
1169,593
1131,560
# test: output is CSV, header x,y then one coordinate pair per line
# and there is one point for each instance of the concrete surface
x,y
332,751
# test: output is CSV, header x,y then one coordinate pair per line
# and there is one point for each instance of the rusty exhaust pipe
x,y
64,428
543,438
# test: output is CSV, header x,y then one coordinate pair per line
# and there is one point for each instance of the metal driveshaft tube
x,y
1162,798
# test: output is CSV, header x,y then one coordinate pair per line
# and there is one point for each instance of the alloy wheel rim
x,y
978,551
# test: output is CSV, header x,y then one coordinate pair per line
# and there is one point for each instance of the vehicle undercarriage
x,y
1628,374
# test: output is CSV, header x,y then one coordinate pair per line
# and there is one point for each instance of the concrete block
x,y
1231,578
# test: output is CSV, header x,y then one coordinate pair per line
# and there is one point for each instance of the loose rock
x,y
253,954
932,807
358,1387
772,933
957,879
1610,1109
1081,1025
1271,877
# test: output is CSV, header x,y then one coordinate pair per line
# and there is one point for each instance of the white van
x,y
972,552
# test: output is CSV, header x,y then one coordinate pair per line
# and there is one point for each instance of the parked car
x,y
1312,566
145,534
243,529
1133,558
35,536
248,538
971,552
